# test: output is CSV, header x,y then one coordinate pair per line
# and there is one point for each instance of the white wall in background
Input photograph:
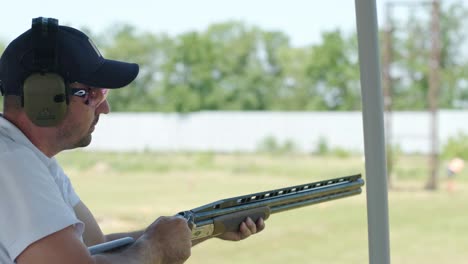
x,y
243,131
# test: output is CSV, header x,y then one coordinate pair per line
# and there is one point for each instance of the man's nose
x,y
103,108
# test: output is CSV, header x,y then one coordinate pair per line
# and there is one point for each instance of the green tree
x,y
332,70
2,47
125,43
188,80
296,90
235,66
231,66
412,44
454,66
456,146
238,68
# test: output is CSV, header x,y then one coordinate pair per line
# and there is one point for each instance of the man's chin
x,y
84,142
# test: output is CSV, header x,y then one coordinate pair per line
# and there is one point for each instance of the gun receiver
x,y
226,215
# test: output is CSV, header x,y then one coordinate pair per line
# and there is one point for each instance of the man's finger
x,y
251,225
260,225
244,231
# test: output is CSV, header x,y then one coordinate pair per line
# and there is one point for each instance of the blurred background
x,y
244,96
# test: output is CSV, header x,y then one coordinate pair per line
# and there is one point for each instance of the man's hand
x,y
169,238
246,229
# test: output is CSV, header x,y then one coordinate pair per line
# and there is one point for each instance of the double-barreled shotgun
x,y
226,215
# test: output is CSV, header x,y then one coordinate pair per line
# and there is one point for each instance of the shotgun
x,y
226,215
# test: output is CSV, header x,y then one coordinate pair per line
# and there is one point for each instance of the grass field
x,y
128,191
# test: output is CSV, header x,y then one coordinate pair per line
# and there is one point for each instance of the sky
x,y
302,20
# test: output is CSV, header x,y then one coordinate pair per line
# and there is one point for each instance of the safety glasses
x,y
91,96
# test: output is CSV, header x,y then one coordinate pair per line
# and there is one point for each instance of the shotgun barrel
x,y
226,215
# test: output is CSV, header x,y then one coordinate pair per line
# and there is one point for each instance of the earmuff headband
x,y
44,94
44,42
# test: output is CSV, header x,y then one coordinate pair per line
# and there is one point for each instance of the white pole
x,y
374,139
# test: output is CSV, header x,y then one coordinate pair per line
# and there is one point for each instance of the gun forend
x,y
226,215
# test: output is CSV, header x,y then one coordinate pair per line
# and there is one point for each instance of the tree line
x,y
235,66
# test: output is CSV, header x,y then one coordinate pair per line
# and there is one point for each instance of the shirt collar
x,y
9,130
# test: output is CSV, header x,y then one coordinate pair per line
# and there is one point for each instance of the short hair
x,y
11,103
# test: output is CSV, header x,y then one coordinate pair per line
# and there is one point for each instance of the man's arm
x,y
93,234
65,247
167,240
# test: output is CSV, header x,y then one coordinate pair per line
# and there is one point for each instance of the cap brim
x,y
113,74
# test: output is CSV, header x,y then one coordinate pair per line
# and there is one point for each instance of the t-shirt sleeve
x,y
73,198
68,191
32,201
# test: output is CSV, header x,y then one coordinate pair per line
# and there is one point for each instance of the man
x,y
55,84
454,167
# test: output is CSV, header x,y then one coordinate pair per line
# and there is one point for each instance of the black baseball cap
x,y
78,60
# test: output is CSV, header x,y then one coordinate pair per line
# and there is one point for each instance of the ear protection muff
x,y
45,96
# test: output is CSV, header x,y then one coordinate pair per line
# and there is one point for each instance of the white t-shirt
x,y
36,197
